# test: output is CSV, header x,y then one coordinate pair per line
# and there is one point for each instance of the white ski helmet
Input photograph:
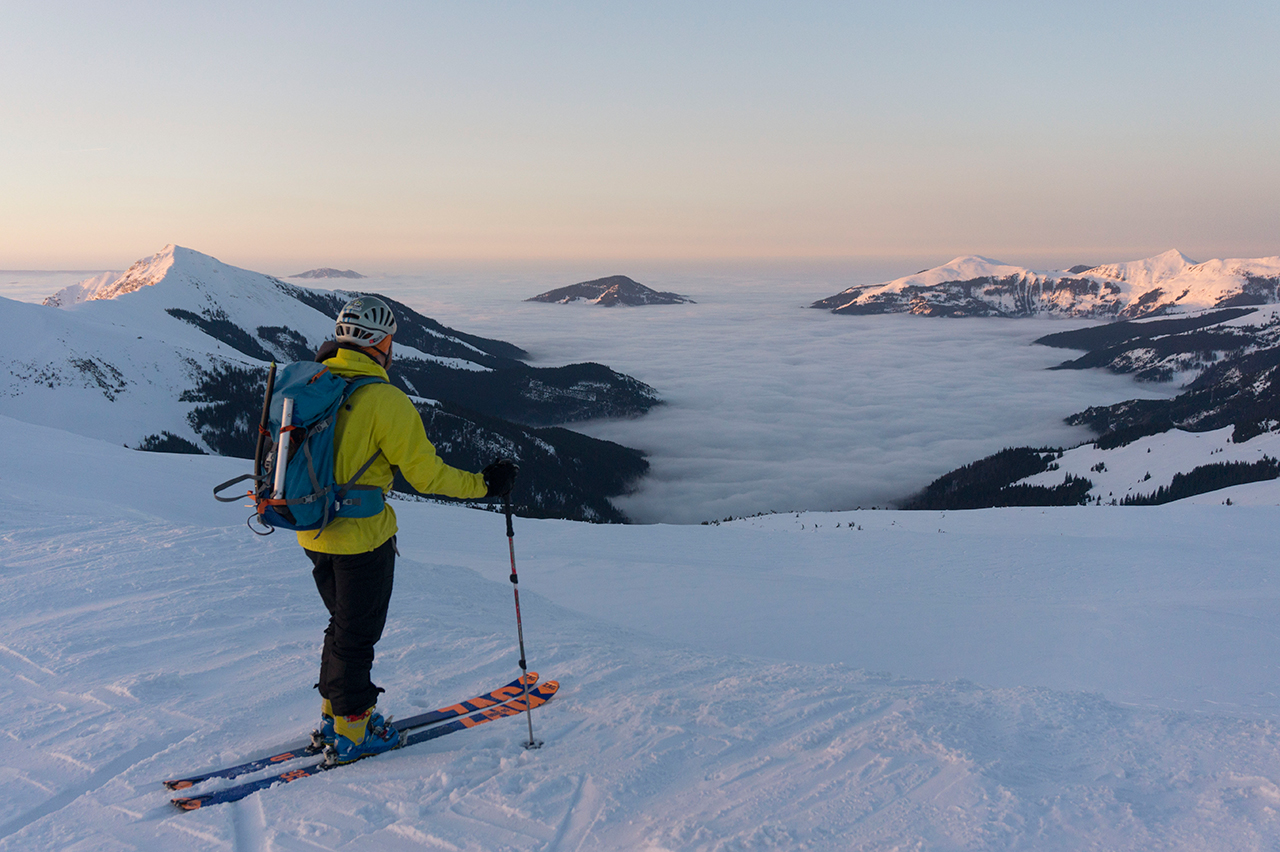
x,y
364,321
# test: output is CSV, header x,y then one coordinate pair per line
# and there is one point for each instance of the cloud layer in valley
x,y
775,407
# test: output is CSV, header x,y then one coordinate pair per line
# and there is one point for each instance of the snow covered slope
x,y
1137,470
243,312
977,286
120,361
1088,678
82,290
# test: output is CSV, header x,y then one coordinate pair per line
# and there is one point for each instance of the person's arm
x,y
405,445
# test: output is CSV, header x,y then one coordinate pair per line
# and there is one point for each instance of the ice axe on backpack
x,y
264,434
293,482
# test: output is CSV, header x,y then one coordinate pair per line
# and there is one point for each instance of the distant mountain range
x,y
327,272
974,286
172,355
1227,363
611,291
1212,327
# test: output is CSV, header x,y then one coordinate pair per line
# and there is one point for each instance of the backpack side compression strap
x,y
342,492
217,496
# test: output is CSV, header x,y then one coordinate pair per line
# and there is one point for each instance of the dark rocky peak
x,y
327,272
614,290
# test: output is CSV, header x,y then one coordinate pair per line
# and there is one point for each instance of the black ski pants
x,y
356,589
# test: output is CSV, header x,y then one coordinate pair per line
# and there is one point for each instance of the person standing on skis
x,y
353,559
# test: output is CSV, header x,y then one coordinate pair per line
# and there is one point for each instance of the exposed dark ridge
x,y
610,291
1112,334
1207,478
289,344
216,325
563,474
989,483
167,442
1159,348
1248,401
535,396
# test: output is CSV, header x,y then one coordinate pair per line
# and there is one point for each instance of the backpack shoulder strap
x,y
352,386
358,382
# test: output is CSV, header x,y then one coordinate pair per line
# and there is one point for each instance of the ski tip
x,y
177,785
529,678
188,804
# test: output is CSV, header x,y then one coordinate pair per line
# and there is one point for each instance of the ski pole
x,y
515,587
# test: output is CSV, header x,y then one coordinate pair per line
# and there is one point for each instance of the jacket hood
x,y
348,362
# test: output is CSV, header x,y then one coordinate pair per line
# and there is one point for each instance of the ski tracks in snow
x,y
96,668
250,826
575,829
92,783
122,636
783,763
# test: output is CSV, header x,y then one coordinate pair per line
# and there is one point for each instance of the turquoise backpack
x,y
311,497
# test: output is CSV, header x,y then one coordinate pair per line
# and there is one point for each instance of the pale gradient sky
x,y
397,133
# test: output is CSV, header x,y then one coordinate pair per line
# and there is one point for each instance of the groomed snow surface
x,y
1087,678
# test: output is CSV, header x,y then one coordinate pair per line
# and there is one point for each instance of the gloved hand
x,y
499,477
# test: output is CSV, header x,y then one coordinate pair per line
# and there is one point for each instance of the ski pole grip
x,y
506,507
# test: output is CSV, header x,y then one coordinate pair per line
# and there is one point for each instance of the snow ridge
x,y
1168,283
81,291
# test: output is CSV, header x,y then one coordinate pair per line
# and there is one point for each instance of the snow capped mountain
x,y
1148,272
172,355
1169,283
611,291
1214,327
195,300
1222,430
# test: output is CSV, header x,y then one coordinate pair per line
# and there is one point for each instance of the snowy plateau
x,y
1070,678
1061,678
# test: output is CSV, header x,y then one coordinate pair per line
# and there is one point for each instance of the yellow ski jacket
x,y
380,416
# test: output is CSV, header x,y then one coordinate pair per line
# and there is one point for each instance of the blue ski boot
x,y
324,735
361,735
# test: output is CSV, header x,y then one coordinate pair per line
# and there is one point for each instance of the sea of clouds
x,y
772,406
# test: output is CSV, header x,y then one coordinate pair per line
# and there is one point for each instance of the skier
x,y
354,558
